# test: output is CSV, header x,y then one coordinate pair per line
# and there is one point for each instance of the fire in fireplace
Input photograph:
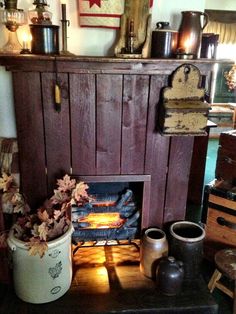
x,y
117,213
111,215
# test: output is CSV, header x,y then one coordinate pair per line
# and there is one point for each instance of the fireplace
x,y
107,126
105,132
116,211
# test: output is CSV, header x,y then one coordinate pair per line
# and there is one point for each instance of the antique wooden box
x,y
219,215
226,157
223,116
183,111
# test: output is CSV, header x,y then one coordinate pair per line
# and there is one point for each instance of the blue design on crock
x,y
55,271
55,290
54,253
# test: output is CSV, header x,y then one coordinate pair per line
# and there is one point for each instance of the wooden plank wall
x,y
106,126
30,135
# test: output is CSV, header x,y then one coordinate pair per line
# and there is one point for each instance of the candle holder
x,y
25,51
64,23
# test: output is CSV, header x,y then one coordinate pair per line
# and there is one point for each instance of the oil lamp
x,y
44,34
40,15
12,18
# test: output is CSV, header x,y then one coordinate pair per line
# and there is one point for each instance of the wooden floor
x,y
108,280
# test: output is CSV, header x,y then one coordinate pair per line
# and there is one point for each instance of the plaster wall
x,y
221,5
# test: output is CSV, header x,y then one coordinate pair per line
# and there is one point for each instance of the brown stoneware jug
x,y
186,245
153,247
190,33
170,275
164,41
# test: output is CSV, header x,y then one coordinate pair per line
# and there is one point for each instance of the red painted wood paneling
x,y
196,178
135,106
178,175
108,123
83,138
57,128
30,135
107,126
157,153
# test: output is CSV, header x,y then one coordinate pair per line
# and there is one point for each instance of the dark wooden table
x,y
108,280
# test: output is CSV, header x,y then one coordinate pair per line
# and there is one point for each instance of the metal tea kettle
x,y
164,41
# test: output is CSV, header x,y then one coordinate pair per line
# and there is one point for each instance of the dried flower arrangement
x,y
50,221
231,78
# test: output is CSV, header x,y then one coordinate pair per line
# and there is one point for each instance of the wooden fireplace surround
x,y
106,126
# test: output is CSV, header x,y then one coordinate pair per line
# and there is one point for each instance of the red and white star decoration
x,y
93,2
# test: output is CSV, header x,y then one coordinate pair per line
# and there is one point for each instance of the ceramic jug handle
x,y
159,25
205,21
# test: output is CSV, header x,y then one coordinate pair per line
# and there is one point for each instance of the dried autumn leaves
x,y
51,220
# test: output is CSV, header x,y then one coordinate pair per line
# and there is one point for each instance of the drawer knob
x,y
223,222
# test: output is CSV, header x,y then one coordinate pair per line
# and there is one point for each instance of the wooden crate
x,y
226,157
223,116
220,214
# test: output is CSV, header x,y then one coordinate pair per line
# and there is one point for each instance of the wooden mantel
x,y
106,126
82,64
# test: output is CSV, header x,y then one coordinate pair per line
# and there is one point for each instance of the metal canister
x,y
45,39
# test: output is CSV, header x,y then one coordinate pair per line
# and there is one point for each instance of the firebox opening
x,y
113,213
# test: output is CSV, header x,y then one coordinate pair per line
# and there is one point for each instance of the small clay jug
x,y
164,41
170,275
190,33
153,247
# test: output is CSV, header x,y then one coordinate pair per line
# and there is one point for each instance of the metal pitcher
x,y
190,33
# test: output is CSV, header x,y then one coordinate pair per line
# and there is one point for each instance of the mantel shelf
x,y
92,64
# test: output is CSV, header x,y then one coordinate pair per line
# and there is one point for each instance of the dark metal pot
x,y
45,39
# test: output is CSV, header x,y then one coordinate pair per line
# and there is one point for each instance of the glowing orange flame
x,y
103,220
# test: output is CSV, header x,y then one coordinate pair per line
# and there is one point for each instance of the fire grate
x,y
105,243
